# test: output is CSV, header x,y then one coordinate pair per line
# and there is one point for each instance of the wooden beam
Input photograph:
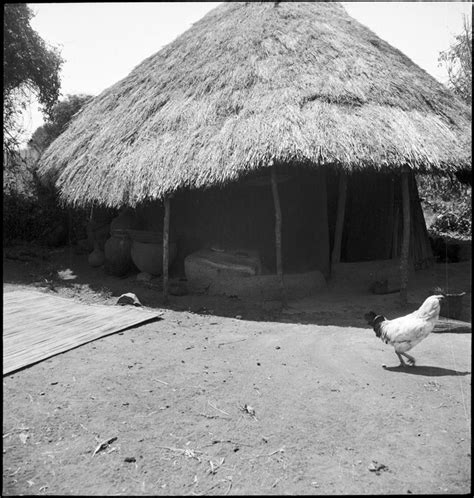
x,y
341,208
396,223
390,218
276,202
166,229
404,257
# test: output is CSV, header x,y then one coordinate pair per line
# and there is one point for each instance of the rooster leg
x,y
402,363
411,360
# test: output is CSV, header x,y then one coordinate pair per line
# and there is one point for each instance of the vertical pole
x,y
390,218
276,202
166,228
396,223
404,257
341,207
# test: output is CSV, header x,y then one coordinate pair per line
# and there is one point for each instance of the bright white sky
x,y
102,42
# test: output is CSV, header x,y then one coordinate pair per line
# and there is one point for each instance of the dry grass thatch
x,y
254,82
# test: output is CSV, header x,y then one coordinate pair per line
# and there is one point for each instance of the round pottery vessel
x,y
117,249
96,257
149,257
146,236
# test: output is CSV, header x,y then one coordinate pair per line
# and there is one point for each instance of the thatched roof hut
x,y
259,86
298,82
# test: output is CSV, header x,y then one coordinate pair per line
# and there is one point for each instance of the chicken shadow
x,y
427,371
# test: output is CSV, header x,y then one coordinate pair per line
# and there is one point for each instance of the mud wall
x,y
241,216
373,222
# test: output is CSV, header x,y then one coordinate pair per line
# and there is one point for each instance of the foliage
x,y
41,218
18,177
61,115
450,203
27,218
30,66
458,61
31,209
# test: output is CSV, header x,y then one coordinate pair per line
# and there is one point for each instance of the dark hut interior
x,y
373,220
241,216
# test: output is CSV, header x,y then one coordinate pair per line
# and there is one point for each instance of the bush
x,y
41,218
450,201
454,220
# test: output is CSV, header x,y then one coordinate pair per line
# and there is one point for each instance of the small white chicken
x,y
406,332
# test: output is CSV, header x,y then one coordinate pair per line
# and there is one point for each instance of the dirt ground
x,y
322,416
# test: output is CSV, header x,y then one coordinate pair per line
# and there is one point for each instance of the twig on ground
x,y
207,490
186,452
162,381
281,450
104,445
215,441
210,416
14,473
214,466
218,409
231,342
230,486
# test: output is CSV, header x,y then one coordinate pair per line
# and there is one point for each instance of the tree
x,y
458,61
60,116
30,66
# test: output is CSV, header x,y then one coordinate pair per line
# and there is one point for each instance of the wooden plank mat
x,y
37,325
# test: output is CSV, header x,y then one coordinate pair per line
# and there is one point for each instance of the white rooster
x,y
406,332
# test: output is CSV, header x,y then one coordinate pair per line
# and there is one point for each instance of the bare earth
x,y
320,407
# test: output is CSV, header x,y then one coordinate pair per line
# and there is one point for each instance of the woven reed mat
x,y
37,326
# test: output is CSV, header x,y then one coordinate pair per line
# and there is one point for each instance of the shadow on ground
x,y
37,267
425,370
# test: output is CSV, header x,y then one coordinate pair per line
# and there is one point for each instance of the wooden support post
x,y
276,202
390,219
404,257
166,229
396,223
341,207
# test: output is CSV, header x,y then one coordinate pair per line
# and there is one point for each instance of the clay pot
x,y
149,257
97,232
125,220
96,257
117,249
146,236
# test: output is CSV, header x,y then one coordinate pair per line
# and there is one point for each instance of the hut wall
x,y
369,219
373,220
305,222
241,216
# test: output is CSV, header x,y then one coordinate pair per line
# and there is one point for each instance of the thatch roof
x,y
297,82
